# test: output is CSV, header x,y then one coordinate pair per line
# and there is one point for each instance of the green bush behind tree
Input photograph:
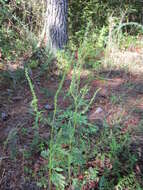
x,y
81,12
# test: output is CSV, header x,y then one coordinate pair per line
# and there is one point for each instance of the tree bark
x,y
56,24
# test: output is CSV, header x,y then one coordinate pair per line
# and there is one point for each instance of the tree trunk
x,y
56,24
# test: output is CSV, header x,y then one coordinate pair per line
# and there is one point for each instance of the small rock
x,y
48,107
38,83
52,79
4,116
98,110
97,114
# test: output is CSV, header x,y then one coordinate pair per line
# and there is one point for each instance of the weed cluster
x,y
80,154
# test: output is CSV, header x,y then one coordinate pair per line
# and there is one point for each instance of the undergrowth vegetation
x,y
80,154
77,153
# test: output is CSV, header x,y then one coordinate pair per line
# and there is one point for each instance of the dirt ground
x,y
120,101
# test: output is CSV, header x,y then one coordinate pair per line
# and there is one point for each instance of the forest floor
x,y
120,101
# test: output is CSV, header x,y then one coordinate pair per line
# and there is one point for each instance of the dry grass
x,y
130,60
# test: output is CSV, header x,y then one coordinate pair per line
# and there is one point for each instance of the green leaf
x,y
58,169
45,154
